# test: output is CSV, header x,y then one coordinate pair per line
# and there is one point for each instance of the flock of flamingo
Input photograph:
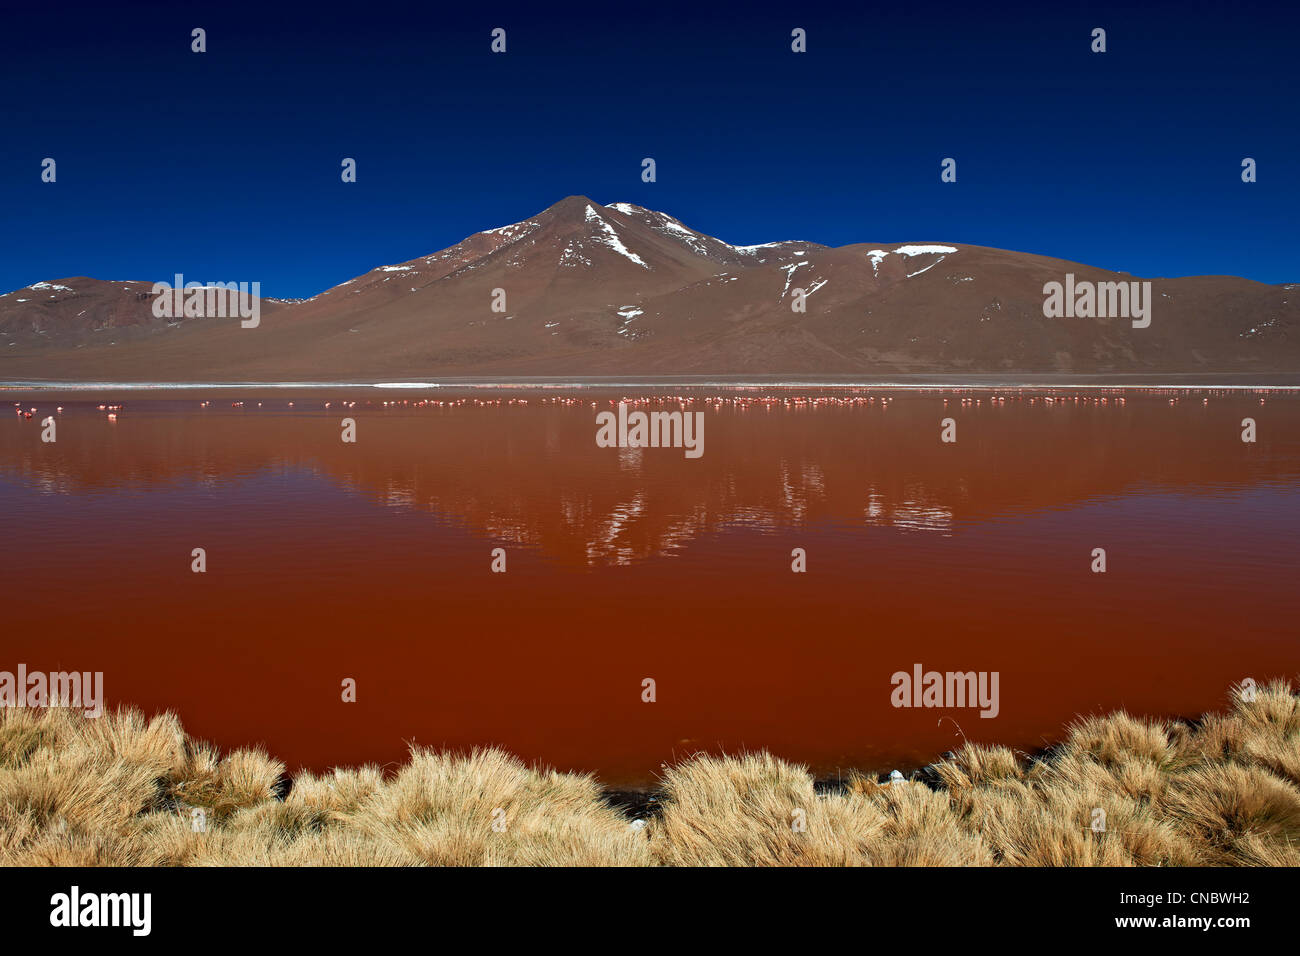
x,y
1047,397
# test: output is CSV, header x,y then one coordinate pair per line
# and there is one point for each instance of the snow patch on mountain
x,y
674,229
924,250
877,256
610,237
696,242
926,269
754,250
515,230
571,257
789,274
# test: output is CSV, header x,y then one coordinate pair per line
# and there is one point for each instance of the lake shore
x,y
1118,790
1192,381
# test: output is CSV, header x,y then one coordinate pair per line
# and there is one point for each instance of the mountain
x,y
621,290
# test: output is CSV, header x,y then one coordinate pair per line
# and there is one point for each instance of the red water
x,y
372,561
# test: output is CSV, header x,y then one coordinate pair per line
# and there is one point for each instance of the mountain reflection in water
x,y
372,561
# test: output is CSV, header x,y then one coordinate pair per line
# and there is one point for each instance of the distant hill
x,y
621,290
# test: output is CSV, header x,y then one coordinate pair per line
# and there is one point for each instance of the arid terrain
x,y
620,290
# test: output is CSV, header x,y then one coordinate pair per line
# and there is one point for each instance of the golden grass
x,y
124,790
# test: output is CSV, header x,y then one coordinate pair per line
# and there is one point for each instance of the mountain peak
x,y
571,207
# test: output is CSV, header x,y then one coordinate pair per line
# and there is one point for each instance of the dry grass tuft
x,y
756,810
126,790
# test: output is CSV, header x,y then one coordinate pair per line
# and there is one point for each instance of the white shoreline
x,y
642,383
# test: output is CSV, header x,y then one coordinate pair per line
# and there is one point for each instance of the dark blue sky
x,y
225,165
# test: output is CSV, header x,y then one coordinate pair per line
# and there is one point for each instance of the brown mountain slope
x,y
623,290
